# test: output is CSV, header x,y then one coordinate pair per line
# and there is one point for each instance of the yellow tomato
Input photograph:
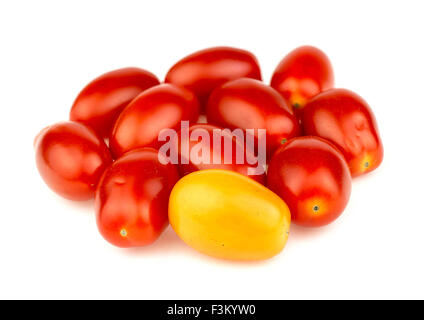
x,y
227,215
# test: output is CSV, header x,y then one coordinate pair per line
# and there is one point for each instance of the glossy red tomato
x,y
204,70
250,104
163,106
71,159
203,147
344,118
312,177
100,102
132,198
302,74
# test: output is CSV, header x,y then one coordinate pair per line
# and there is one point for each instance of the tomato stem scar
x,y
315,208
296,105
123,232
366,164
283,141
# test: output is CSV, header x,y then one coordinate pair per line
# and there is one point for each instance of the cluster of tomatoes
x,y
316,139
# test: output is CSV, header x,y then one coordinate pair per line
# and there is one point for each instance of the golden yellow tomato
x,y
227,215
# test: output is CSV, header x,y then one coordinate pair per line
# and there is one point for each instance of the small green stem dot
x,y
315,208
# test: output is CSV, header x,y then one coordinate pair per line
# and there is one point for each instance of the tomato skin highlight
x,y
302,74
160,107
71,159
194,163
102,100
312,176
226,215
132,198
202,71
250,104
345,119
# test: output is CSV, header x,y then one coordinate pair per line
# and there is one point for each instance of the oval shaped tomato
x,y
302,74
227,215
132,198
163,106
251,104
344,118
311,175
100,102
71,159
204,70
205,146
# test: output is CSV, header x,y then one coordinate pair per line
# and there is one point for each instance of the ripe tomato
x,y
207,154
204,70
160,107
227,215
312,176
100,102
302,74
71,159
345,119
132,198
250,104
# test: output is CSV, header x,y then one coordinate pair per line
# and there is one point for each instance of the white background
x,y
50,247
